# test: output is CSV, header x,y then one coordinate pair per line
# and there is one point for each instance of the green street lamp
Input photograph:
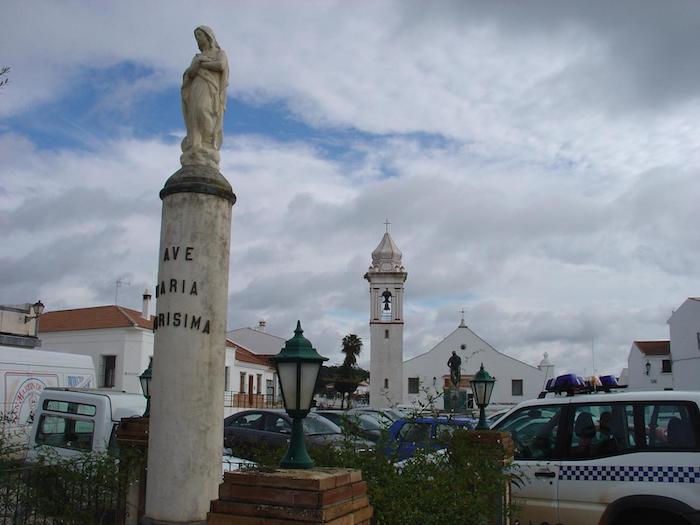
x,y
298,365
145,379
482,386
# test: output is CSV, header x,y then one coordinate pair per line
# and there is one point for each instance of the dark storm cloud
x,y
635,54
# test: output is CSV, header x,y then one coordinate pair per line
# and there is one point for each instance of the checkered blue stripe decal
x,y
629,473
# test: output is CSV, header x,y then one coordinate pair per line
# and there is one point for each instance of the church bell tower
x,y
386,278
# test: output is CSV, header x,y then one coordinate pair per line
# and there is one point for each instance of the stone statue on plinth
x,y
204,101
455,362
185,426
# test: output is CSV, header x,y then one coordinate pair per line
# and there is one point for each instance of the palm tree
x,y
347,380
352,346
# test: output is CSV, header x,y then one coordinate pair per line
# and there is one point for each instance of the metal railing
x,y
244,400
34,495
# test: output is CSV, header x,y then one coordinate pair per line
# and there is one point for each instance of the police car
x,y
586,457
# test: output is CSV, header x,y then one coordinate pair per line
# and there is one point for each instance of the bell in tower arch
x,y
386,297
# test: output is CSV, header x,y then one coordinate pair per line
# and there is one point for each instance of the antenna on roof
x,y
122,281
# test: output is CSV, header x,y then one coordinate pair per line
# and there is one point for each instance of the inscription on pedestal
x,y
187,320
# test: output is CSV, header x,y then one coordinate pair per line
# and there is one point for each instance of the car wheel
x,y
649,517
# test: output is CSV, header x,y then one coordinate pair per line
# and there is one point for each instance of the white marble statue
x,y
204,101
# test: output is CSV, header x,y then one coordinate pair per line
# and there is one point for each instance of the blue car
x,y
432,433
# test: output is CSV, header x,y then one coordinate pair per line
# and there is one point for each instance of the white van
x,y
71,421
24,374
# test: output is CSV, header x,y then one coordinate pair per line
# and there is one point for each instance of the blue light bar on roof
x,y
569,383
575,384
609,382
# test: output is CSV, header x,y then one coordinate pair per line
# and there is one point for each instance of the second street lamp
x,y
298,365
482,386
145,379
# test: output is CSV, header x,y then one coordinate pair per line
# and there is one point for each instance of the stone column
x,y
186,424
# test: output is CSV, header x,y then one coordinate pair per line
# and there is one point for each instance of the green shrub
x,y
461,485
85,490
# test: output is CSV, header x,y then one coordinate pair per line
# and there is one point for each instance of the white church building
x,y
427,376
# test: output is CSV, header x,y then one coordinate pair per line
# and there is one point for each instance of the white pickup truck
x,y
70,421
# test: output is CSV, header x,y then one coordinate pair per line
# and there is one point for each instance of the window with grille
x,y
109,362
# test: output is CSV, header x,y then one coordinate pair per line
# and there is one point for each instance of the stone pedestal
x,y
186,424
329,496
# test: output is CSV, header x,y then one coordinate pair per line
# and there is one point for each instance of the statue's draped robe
x,y
203,106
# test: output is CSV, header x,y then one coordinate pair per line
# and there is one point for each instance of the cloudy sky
x,y
537,162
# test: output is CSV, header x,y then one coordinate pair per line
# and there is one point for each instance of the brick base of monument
x,y
330,496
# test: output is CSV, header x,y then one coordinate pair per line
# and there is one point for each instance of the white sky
x,y
538,162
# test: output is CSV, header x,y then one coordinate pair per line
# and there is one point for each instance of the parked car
x,y
408,435
384,415
607,458
272,428
358,424
415,410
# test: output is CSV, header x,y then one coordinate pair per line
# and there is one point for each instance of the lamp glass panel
x,y
309,373
145,386
288,382
479,388
488,390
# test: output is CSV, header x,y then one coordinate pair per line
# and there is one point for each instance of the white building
x,y
427,375
649,366
386,278
669,364
18,325
250,379
119,340
257,340
684,327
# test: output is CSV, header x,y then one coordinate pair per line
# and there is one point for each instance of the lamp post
x,y
38,308
482,385
145,379
298,365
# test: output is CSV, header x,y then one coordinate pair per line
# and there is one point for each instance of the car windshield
x,y
367,422
381,418
392,414
315,424
335,417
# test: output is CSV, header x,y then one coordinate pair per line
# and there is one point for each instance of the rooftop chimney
x,y
261,325
146,303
